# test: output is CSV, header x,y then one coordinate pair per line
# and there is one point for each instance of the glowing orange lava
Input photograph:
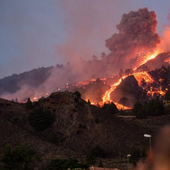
x,y
151,93
121,107
139,76
106,97
145,59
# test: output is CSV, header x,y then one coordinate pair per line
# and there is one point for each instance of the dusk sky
x,y
41,33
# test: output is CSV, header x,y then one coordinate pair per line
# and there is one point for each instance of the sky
x,y
41,33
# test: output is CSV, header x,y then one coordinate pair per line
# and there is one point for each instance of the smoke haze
x,y
165,41
136,31
88,23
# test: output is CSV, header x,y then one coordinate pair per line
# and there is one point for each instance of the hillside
x,y
33,78
78,127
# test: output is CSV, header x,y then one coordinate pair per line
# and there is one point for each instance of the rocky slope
x,y
130,89
78,127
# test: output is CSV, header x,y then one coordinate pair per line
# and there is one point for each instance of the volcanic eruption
x,y
134,45
131,50
136,39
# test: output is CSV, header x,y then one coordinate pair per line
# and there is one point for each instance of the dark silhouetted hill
x,y
77,128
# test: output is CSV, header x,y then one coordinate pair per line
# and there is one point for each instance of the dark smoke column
x,y
137,31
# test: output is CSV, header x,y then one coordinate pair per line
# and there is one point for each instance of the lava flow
x,y
139,76
144,59
106,97
121,107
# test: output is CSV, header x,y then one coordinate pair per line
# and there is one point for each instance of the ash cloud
x,y
137,31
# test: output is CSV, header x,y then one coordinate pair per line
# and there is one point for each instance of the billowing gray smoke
x,y
137,31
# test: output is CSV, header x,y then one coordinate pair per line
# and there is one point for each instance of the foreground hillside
x,y
77,128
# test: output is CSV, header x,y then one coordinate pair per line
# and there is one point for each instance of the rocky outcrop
x,y
73,118
128,88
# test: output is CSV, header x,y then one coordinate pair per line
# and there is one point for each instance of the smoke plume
x,y
137,32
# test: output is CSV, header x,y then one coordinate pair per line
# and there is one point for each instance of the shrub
x,y
135,155
155,107
96,152
167,95
18,158
100,164
54,137
40,119
110,108
139,111
64,164
29,104
77,94
167,109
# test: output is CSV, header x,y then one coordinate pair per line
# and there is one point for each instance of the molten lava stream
x,y
106,97
139,76
146,58
121,107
